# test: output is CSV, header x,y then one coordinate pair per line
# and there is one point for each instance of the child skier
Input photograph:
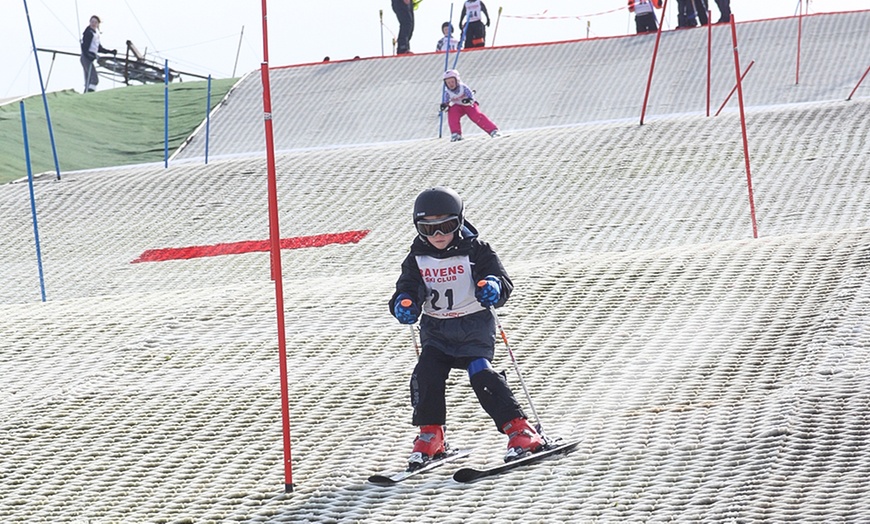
x,y
458,100
448,40
457,331
475,31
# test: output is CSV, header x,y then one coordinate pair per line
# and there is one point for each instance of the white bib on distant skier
x,y
95,43
450,286
473,10
447,41
642,7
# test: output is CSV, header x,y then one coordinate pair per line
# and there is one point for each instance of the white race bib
x,y
473,10
450,286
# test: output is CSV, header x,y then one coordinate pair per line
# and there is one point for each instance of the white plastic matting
x,y
714,376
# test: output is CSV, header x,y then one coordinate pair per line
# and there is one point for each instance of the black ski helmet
x,y
439,200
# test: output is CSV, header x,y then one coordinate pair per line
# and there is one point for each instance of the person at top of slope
x,y
90,45
449,281
644,15
458,100
447,41
475,32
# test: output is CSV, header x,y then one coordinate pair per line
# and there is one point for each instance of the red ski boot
x,y
428,445
522,439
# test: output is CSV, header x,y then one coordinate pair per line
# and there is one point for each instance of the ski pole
x,y
414,338
382,33
495,33
538,425
407,303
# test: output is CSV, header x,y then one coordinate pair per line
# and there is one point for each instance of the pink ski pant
x,y
457,111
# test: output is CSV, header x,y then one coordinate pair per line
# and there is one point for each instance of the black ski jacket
x,y
471,335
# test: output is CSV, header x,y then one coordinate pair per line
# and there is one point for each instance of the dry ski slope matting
x,y
714,376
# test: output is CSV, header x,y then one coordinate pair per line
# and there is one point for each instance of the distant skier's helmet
x,y
451,73
438,200
446,25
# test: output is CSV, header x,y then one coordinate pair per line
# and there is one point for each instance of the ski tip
x,y
381,480
466,475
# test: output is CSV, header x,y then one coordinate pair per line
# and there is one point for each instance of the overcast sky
x,y
205,36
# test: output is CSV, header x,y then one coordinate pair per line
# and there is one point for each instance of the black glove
x,y
114,51
487,22
467,101
444,107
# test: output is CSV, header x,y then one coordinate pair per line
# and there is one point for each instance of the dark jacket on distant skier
x,y
87,40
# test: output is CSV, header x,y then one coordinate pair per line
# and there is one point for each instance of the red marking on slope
x,y
235,248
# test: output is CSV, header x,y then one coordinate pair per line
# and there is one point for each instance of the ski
x,y
389,480
472,474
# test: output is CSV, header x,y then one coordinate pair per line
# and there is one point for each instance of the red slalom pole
x,y
859,83
275,243
797,71
709,54
743,127
727,98
652,66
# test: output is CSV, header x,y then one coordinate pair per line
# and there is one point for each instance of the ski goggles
x,y
444,226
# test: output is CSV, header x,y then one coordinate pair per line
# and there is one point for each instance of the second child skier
x,y
458,100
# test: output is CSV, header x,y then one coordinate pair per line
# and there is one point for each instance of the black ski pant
x,y
91,76
405,15
724,10
475,34
701,9
645,23
686,16
428,390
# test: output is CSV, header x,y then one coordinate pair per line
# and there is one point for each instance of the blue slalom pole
x,y
207,117
461,42
165,114
32,200
446,63
42,88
